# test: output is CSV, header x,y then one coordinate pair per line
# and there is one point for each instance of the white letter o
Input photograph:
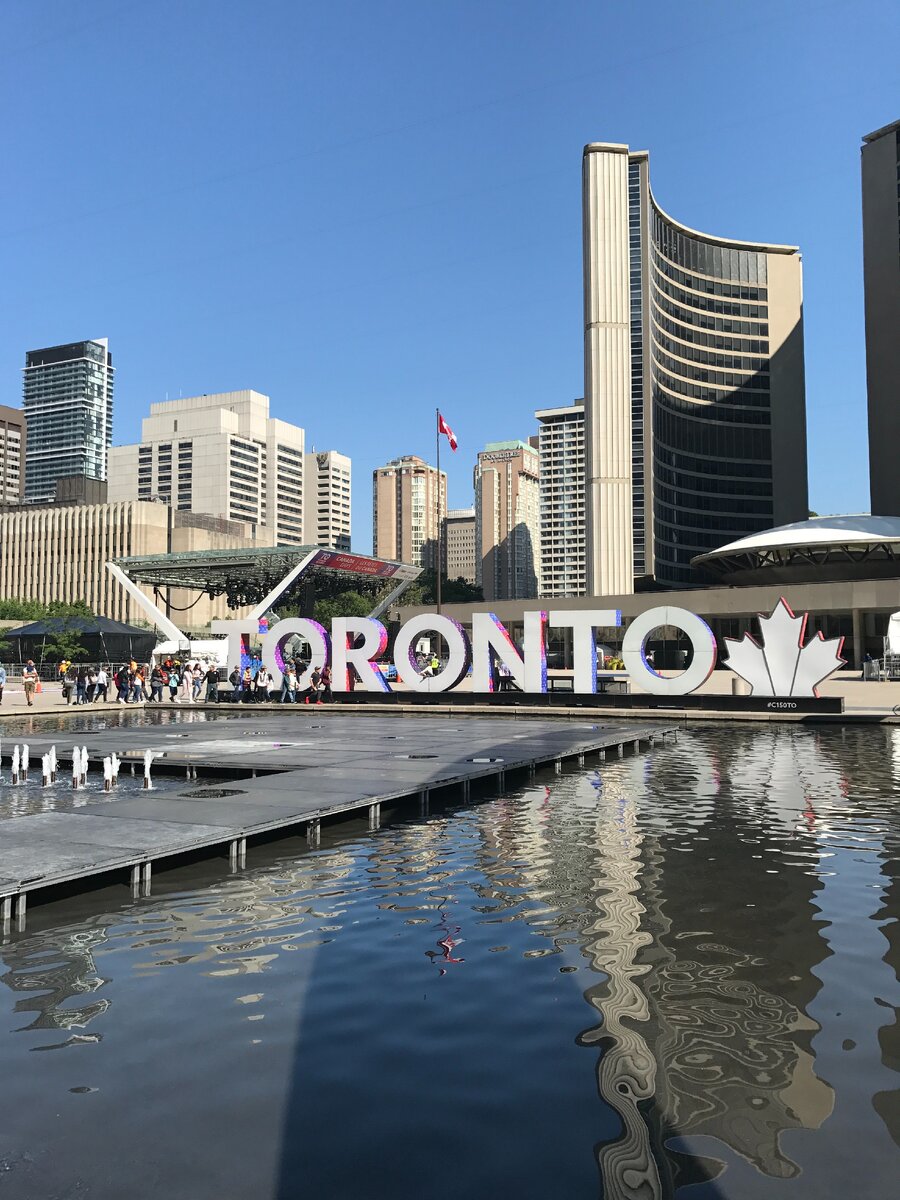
x,y
703,643
458,662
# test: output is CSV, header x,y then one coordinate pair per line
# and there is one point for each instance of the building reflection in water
x,y
703,878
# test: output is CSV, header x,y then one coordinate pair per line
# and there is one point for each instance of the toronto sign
x,y
784,663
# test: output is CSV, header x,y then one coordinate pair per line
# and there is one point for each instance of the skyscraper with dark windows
x,y
881,261
68,403
695,415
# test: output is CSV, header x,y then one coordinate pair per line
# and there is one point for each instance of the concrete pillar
x,y
146,872
374,816
858,642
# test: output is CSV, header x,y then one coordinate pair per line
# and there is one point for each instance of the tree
x,y
453,591
345,604
62,644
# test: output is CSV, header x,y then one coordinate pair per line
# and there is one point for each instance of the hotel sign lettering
x,y
784,664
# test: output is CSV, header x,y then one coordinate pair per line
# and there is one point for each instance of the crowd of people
x,y
253,684
189,682
139,683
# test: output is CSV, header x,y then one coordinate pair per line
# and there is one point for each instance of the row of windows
x,y
683,501
695,391
730,362
702,321
732,291
728,308
707,258
731,379
728,443
685,482
686,333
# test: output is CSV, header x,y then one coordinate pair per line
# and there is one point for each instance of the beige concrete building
x,y
409,502
220,454
459,544
561,450
507,521
12,455
326,499
695,419
881,261
59,552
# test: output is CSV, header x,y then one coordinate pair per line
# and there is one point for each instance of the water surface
x,y
679,982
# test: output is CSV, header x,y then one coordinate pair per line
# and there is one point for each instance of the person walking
x,y
137,686
212,684
68,684
157,682
174,680
246,695
187,684
101,685
123,684
289,685
313,692
262,685
29,681
81,680
2,681
197,676
325,686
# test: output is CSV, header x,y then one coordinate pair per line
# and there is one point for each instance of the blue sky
x,y
367,210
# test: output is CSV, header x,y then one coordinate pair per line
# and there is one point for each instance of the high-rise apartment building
x,y
459,544
695,417
409,503
881,262
12,455
507,521
561,449
68,402
326,499
220,454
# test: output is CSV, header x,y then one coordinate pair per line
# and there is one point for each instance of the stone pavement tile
x,y
90,824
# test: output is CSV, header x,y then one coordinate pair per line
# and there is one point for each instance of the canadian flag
x,y
443,427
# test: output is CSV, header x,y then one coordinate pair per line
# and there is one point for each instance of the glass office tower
x,y
68,402
695,425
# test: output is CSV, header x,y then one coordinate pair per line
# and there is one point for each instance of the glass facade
x,y
707,333
68,403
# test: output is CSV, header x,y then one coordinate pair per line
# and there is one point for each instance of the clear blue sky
x,y
367,209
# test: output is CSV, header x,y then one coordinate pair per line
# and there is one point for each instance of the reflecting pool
x,y
674,976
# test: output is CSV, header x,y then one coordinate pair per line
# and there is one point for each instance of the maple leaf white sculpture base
x,y
783,665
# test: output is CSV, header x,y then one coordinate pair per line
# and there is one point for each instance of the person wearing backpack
x,y
123,684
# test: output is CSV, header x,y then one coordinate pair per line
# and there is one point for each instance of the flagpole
x,y
440,523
